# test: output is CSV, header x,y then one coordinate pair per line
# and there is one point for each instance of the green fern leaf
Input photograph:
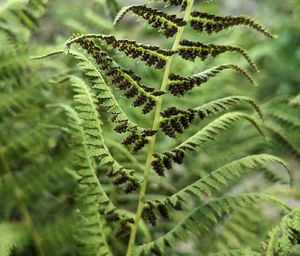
x,y
179,85
201,219
281,137
210,23
295,101
208,133
12,236
217,180
94,140
190,50
285,236
168,24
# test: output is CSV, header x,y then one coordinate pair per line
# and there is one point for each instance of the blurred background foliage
x,y
33,149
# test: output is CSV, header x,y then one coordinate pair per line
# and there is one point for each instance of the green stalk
x,y
22,205
155,126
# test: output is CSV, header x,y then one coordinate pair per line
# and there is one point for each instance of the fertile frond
x,y
12,237
200,220
210,23
217,180
137,135
176,120
168,24
151,55
208,133
125,80
179,85
190,50
285,236
85,106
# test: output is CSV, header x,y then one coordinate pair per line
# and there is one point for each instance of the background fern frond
x,y
12,237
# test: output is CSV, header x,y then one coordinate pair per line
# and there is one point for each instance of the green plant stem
x,y
153,139
23,208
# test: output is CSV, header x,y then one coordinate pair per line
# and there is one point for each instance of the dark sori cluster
x,y
123,230
138,139
151,55
190,50
123,177
121,78
180,85
167,23
210,23
149,212
176,120
166,160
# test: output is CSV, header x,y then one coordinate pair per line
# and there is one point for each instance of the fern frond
x,y
168,24
138,136
125,80
180,85
94,140
200,220
217,180
151,55
190,50
210,23
85,174
176,120
295,101
208,133
19,15
284,118
285,236
12,236
284,141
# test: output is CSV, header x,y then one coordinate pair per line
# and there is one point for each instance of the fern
x,y
200,219
179,85
12,236
219,179
198,140
176,121
65,158
168,24
284,236
210,23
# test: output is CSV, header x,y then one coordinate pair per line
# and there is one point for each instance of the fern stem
x,y
24,210
155,126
